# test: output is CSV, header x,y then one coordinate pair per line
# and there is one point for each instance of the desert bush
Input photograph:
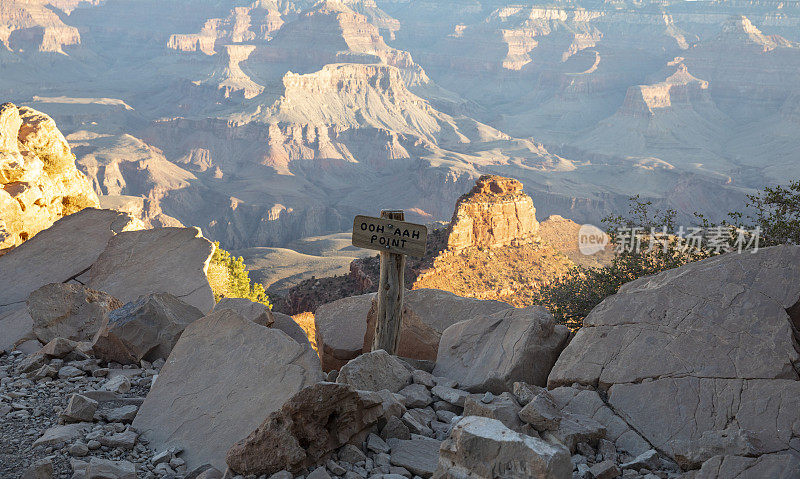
x,y
773,218
229,278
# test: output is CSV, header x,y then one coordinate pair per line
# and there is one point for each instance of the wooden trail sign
x,y
390,235
395,239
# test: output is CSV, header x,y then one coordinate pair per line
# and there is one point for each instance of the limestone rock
x,y
340,328
255,312
375,371
221,379
491,353
314,422
63,251
147,328
103,469
692,453
80,409
41,469
419,455
494,213
161,260
777,466
39,182
58,348
479,448
673,348
503,408
426,314
541,412
69,311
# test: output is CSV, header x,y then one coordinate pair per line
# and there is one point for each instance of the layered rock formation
x,y
30,25
228,77
493,214
39,182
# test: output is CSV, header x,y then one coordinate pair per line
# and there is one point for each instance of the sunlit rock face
x,y
38,179
495,213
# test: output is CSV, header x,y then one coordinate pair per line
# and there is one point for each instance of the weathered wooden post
x,y
395,239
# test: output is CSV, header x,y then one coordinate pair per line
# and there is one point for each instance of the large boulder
x,y
147,328
482,448
70,311
340,327
698,348
426,314
312,424
60,253
256,312
16,327
223,377
375,371
161,260
491,353
773,466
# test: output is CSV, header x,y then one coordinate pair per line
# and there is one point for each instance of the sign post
x,y
395,239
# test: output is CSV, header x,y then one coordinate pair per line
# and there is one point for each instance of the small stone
x,y
423,377
352,454
487,398
125,440
607,449
646,460
335,468
541,412
67,372
319,473
395,428
374,444
121,414
103,469
41,469
453,396
282,475
118,384
93,445
80,408
605,470
417,396
79,449
524,392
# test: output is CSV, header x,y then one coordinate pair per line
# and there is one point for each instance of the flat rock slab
x,y
420,455
491,353
375,371
69,311
224,376
161,260
63,251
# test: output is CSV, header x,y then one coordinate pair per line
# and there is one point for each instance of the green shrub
x,y
229,278
774,212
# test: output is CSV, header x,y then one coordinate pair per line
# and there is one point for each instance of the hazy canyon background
x,y
270,123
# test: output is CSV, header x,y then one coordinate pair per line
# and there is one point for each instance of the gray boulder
x,y
692,453
375,371
222,378
255,312
480,448
160,260
419,455
147,328
69,311
340,327
697,348
491,353
773,466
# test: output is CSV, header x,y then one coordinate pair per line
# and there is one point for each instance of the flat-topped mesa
x,y
495,213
